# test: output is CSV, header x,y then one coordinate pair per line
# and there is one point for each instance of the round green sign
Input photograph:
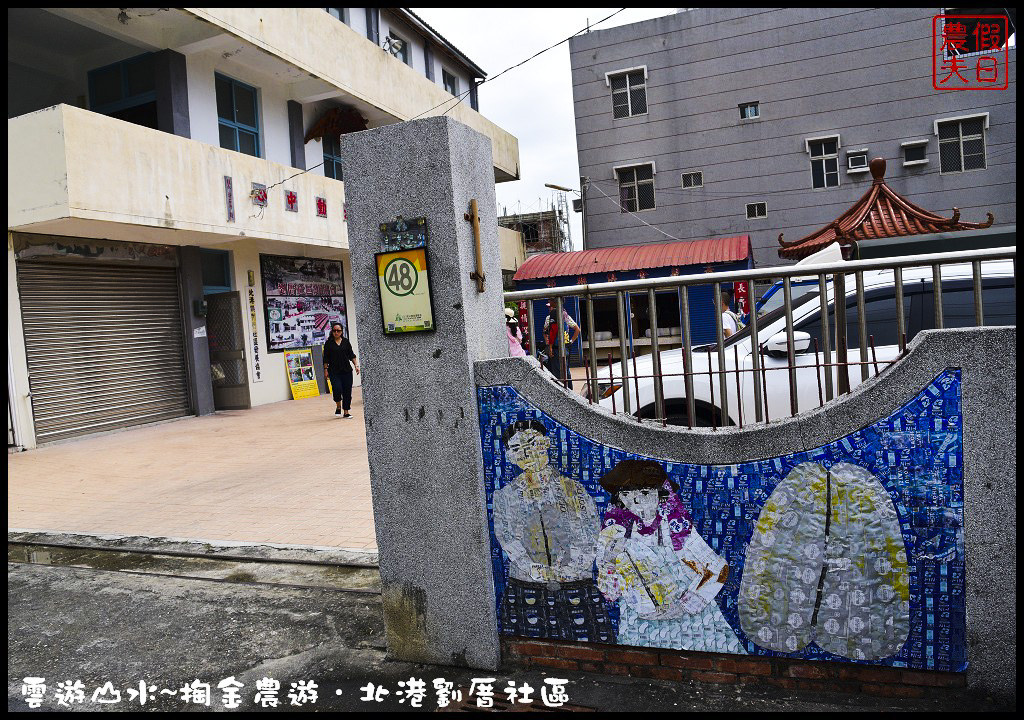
x,y
400,276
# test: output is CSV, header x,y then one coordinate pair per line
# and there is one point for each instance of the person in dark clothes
x,y
337,368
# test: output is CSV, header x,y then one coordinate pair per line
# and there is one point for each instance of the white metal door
x,y
104,347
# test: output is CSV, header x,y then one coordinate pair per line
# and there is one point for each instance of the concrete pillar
x,y
422,426
172,93
296,135
197,348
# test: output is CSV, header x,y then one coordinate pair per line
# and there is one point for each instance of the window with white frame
x,y
824,154
962,144
856,161
451,83
636,188
914,152
757,210
629,93
693,179
750,111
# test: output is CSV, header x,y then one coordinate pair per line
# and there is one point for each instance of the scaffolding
x,y
545,231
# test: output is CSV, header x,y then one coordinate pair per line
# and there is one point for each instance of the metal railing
x,y
831,284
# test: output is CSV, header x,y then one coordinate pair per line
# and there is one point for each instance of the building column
x,y
197,347
171,93
296,135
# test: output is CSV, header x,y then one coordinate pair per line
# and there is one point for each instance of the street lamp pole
x,y
582,192
584,181
591,341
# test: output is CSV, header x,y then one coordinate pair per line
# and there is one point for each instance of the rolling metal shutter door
x,y
104,347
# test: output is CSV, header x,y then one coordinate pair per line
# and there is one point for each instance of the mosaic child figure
x,y
655,564
547,524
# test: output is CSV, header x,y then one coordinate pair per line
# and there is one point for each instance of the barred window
x,y
750,111
824,162
636,188
757,210
962,145
629,94
693,179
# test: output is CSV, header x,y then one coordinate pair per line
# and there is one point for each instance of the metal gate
x,y
104,347
226,336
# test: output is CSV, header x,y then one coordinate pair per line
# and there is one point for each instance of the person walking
x,y
339,359
730,321
513,334
551,331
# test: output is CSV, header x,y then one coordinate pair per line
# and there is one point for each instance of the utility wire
x,y
625,209
463,96
301,172
252,193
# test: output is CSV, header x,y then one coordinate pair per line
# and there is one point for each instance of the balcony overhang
x,y
331,61
77,173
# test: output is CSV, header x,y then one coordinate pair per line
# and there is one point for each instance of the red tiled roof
x,y
636,257
880,213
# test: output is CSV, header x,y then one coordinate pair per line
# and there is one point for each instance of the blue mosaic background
x,y
916,453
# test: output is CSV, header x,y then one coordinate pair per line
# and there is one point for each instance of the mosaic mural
x,y
850,552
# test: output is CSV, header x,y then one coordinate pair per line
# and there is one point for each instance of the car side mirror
x,y
776,345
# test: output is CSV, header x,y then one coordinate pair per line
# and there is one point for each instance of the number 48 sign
x,y
406,304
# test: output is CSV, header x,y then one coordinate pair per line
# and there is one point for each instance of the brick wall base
x,y
680,665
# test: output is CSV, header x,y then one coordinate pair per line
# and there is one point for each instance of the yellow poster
x,y
301,373
405,302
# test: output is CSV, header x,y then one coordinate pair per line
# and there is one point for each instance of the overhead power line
x,y
459,98
625,209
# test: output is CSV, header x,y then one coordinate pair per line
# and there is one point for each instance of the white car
x,y
999,308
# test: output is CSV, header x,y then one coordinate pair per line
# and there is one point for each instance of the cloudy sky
x,y
533,102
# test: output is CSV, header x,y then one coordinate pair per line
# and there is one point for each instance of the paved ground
x,y
287,473
290,473
68,624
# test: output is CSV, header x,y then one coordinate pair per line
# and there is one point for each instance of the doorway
x,y
226,336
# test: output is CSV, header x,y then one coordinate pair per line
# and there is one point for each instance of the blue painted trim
x,y
234,124
127,101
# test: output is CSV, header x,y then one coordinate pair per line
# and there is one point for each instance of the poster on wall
x,y
301,298
254,340
406,304
301,373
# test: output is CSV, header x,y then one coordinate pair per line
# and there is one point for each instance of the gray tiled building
x,y
715,122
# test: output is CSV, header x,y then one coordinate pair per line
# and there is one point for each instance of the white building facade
x,y
172,223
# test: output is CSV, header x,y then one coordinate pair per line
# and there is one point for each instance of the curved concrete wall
x,y
986,360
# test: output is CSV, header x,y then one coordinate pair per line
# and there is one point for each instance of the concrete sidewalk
x,y
289,473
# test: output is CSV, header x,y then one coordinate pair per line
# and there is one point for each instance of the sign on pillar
x,y
423,321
